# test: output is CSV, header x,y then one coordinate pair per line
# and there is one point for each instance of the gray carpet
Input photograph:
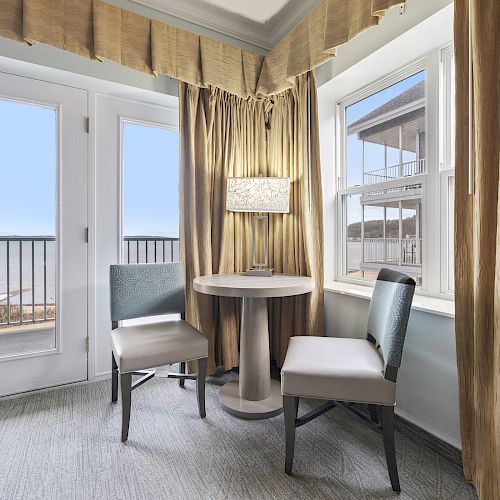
x,y
64,444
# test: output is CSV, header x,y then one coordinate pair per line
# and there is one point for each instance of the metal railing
x,y
28,273
393,172
144,249
403,252
27,259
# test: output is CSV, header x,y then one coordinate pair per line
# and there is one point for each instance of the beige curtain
x,y
477,245
99,30
224,135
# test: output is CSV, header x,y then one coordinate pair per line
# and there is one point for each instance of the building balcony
x,y
393,172
403,254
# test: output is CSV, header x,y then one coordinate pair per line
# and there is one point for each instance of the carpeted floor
x,y
65,444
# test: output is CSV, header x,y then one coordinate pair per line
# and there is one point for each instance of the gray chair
x,y
345,371
143,290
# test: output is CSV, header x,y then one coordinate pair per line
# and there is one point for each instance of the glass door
x,y
43,255
137,195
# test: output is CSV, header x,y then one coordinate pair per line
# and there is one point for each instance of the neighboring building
x,y
400,124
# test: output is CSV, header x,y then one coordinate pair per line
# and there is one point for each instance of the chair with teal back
x,y
346,371
145,290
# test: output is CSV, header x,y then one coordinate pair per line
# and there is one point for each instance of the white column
x,y
401,151
362,234
384,234
417,233
385,161
400,232
362,162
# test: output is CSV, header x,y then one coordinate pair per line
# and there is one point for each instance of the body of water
x,y
30,276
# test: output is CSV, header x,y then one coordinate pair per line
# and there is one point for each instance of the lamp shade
x,y
258,194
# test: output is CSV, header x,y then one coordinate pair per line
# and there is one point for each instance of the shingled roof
x,y
407,97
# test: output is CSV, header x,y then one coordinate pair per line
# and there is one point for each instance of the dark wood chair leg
x,y
201,368
182,369
373,413
390,449
114,379
290,408
126,386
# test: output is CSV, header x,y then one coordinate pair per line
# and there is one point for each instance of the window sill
x,y
432,305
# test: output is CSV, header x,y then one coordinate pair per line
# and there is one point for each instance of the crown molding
x,y
262,35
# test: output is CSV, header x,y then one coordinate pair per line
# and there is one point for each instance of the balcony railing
x,y
393,172
28,273
27,279
145,249
403,252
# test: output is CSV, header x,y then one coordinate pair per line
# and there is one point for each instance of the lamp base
x,y
259,271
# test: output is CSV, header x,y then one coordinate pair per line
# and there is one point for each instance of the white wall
x,y
427,383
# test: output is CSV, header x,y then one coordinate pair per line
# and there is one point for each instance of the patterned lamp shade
x,y
258,194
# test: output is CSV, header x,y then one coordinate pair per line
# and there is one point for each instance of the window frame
x,y
446,162
432,180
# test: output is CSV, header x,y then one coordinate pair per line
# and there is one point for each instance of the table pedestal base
x,y
230,400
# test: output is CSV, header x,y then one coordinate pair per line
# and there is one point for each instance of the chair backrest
x,y
140,290
388,316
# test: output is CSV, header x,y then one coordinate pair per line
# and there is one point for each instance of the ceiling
x,y
259,22
259,11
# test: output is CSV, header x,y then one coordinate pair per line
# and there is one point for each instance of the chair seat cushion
x,y
336,368
146,346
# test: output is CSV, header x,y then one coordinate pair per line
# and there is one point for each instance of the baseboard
x,y
422,437
53,388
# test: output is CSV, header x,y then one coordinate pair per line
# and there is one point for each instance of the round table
x,y
255,395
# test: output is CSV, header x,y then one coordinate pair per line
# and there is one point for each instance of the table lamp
x,y
259,194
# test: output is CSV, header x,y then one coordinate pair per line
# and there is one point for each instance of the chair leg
x,y
290,408
126,386
182,369
114,379
390,450
373,413
201,368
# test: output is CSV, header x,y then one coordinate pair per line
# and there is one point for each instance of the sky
x,y
150,181
27,169
28,174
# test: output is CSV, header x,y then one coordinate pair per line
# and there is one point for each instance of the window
x,y
447,163
27,242
395,177
150,193
384,161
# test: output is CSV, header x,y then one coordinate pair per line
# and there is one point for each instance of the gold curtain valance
x,y
314,40
94,29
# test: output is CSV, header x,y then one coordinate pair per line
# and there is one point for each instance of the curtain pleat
x,y
122,36
95,29
477,244
11,19
66,24
223,135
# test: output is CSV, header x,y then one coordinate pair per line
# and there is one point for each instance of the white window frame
x,y
447,164
432,184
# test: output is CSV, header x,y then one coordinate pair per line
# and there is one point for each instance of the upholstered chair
x,y
345,371
144,290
